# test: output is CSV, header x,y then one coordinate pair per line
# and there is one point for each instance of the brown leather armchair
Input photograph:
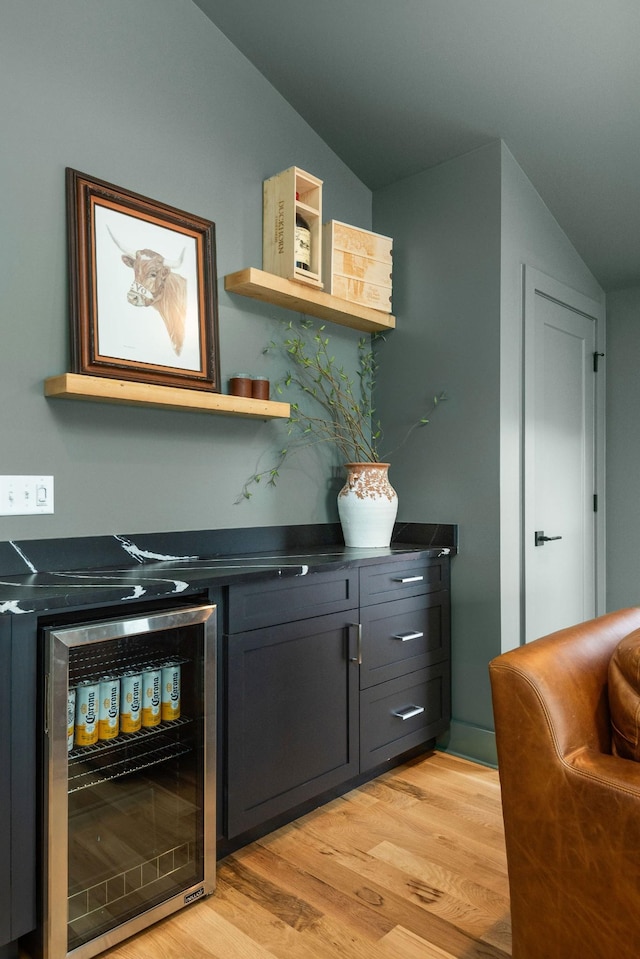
x,y
571,809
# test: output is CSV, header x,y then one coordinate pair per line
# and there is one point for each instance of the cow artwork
x,y
155,284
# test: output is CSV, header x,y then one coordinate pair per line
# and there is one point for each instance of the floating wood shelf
x,y
78,386
303,299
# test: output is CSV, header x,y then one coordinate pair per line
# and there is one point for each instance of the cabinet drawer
x,y
268,602
403,713
379,584
403,635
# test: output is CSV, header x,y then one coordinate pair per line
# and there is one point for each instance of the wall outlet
x,y
26,495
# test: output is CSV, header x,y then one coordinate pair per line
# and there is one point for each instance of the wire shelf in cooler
x,y
131,753
109,659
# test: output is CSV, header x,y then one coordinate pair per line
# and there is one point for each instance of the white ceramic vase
x,y
367,505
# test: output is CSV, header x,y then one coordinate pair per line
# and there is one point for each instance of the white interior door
x,y
559,536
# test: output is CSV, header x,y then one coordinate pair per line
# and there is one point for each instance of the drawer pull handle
x,y
408,712
403,637
409,579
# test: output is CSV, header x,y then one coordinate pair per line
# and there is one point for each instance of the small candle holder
x,y
260,388
240,384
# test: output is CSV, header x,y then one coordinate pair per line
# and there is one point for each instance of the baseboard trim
x,y
470,742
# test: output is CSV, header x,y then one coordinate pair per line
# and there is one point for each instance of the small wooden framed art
x,y
142,288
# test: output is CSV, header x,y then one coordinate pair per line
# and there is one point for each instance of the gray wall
x,y
462,234
446,227
623,448
152,97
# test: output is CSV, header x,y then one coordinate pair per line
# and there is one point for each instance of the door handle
x,y
541,539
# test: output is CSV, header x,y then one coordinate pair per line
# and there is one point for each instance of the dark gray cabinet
x,y
18,711
405,698
329,677
292,695
5,792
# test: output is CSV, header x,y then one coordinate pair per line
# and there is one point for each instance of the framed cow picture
x,y
143,287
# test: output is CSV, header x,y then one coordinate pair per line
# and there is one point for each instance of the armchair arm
x,y
611,774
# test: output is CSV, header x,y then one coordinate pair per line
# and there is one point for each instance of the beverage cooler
x,y
129,775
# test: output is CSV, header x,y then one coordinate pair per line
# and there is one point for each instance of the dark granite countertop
x,y
40,576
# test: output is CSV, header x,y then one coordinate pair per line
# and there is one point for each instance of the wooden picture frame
x,y
143,288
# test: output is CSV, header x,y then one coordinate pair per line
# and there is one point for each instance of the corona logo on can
x,y
109,722
151,682
130,702
86,725
170,692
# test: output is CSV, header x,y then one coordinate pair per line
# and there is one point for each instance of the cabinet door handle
x,y
403,637
358,657
409,579
408,712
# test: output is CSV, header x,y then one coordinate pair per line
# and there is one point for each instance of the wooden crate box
x,y
284,195
358,265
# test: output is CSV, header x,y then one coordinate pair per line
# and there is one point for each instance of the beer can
x,y
151,683
130,702
86,725
109,715
170,692
71,717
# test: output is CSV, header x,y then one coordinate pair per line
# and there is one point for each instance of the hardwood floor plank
x,y
364,920
322,939
327,937
291,909
441,806
461,902
406,945
454,882
479,795
454,839
193,933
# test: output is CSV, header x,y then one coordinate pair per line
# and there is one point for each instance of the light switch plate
x,y
26,495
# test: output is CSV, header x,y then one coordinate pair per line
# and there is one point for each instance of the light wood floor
x,y
409,866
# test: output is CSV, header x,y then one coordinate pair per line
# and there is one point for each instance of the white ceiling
x,y
397,86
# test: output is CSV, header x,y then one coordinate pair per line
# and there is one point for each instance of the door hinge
x,y
595,361
595,502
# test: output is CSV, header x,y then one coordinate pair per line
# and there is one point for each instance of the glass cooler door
x,y
130,780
